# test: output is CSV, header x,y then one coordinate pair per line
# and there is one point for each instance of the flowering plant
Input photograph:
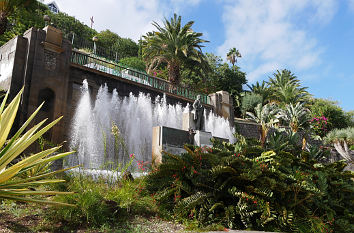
x,y
320,125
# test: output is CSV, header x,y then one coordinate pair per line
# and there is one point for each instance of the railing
x,y
97,63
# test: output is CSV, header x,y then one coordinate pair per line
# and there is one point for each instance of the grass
x,y
100,206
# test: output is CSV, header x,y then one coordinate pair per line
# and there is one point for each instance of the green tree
x,y
337,117
249,101
232,56
23,18
72,26
133,62
174,45
261,89
123,47
8,7
286,88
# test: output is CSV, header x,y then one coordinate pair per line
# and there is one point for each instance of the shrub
x,y
250,101
272,191
101,202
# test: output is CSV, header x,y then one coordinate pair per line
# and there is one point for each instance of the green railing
x,y
97,63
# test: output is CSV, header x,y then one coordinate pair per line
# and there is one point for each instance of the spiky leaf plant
x,y
13,185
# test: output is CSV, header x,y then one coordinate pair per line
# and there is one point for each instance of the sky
x,y
312,38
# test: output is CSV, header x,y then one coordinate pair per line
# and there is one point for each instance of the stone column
x,y
223,105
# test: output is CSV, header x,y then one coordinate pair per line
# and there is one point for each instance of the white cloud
x,y
128,18
273,34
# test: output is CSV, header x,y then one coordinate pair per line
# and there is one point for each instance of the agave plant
x,y
342,139
266,117
13,184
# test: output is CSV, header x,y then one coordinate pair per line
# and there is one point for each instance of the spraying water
x,y
105,132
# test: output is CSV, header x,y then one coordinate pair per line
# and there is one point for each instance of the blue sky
x,y
312,38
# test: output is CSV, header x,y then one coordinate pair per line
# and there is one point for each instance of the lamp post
x,y
94,39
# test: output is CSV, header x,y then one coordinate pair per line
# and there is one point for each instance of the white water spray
x,y
135,117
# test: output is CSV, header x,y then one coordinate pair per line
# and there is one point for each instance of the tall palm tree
x,y
232,55
7,7
174,45
266,116
286,88
262,89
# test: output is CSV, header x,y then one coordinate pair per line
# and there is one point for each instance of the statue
x,y
198,114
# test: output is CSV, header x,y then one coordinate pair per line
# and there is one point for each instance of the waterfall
x,y
99,145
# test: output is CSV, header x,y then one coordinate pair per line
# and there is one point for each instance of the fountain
x,y
106,132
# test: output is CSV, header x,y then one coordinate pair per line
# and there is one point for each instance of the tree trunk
x,y
174,75
3,24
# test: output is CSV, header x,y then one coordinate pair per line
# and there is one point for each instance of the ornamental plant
x,y
320,125
254,188
14,183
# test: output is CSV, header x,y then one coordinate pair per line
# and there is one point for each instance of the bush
x,y
250,101
133,62
99,203
272,191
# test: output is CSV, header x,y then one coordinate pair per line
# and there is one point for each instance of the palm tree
x,y
266,117
174,45
7,7
232,55
287,89
262,89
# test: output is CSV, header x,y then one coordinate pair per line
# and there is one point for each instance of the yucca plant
x,y
266,117
13,184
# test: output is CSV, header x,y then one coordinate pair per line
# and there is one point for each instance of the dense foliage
x,y
336,117
246,187
174,45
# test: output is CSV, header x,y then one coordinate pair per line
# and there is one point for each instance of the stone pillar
x,y
223,105
188,121
47,71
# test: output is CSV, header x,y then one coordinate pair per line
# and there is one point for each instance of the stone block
x,y
202,138
188,121
169,140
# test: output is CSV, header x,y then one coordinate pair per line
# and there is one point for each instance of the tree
x,y
337,118
123,47
266,117
261,89
232,56
133,62
287,89
249,101
71,26
174,45
8,7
